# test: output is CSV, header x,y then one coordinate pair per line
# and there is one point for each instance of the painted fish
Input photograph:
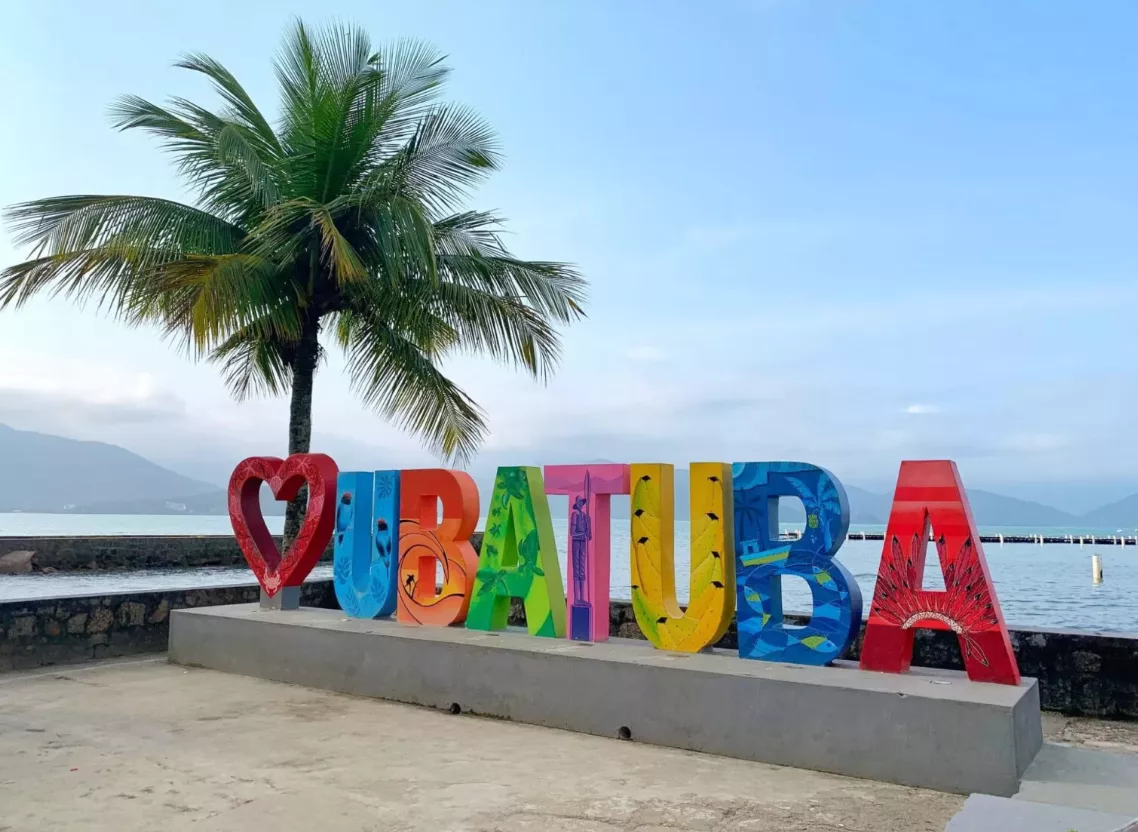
x,y
781,640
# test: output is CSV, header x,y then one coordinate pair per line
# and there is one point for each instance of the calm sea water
x,y
1039,586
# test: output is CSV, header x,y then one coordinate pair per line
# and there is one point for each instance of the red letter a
x,y
931,491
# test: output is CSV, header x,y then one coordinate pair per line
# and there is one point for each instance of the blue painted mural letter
x,y
761,559
365,568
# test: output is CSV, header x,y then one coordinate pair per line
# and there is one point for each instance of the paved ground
x,y
146,745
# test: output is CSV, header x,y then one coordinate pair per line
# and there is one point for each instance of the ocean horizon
x,y
1039,586
36,524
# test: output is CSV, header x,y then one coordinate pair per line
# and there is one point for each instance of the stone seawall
x,y
1079,673
67,554
116,552
49,631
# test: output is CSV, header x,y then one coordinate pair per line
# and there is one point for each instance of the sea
x,y
1042,587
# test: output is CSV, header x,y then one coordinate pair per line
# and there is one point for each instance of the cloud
x,y
921,409
50,411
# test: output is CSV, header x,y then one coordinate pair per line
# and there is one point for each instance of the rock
x,y
132,614
1086,662
16,563
22,626
159,614
101,620
49,570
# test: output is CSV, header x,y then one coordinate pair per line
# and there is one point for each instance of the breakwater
x,y
1079,673
106,553
126,552
1040,539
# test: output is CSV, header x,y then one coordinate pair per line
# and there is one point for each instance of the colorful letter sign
x,y
712,599
930,493
284,478
589,488
424,542
738,556
518,558
763,558
365,570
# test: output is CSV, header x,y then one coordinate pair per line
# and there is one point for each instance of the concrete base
x,y
288,598
930,729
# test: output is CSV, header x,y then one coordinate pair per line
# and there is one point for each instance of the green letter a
x,y
518,558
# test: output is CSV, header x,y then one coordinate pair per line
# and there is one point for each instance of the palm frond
x,y
393,374
242,106
204,299
68,223
413,72
253,364
232,170
338,255
259,184
105,274
499,327
553,289
108,247
298,75
397,237
451,149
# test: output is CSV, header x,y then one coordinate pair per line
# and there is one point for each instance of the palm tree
x,y
344,221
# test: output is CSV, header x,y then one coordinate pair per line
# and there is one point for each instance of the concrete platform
x,y
929,729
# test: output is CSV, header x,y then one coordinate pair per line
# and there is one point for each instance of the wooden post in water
x,y
1096,569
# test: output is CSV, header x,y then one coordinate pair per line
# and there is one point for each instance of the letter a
x,y
931,492
712,595
518,558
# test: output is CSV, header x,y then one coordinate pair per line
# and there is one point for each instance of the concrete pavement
x,y
147,745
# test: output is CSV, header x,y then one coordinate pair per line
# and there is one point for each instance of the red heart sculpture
x,y
285,477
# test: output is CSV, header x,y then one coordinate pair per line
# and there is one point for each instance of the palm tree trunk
x,y
300,417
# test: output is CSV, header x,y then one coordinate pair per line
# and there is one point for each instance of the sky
x,y
841,233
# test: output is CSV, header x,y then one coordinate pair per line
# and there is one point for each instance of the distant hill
x,y
46,473
869,509
1122,514
990,509
212,502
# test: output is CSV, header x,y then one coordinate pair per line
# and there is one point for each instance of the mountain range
x,y
52,474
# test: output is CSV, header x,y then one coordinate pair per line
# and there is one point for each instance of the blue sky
x,y
843,233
